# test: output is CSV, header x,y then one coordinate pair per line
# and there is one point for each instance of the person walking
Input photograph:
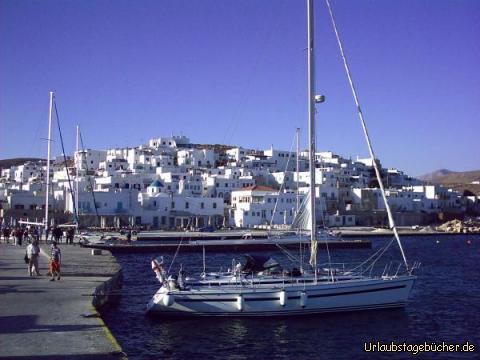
x,y
70,235
57,234
47,233
36,234
33,252
6,234
55,261
18,236
26,235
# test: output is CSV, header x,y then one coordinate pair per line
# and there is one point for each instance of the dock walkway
x,y
42,319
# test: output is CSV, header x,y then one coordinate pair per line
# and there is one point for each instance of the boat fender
x,y
168,299
283,297
240,302
303,299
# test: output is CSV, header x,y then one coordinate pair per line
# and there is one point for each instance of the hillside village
x,y
171,183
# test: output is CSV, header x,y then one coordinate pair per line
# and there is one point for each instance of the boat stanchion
x,y
283,297
240,303
303,299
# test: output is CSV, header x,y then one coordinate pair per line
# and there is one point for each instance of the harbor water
x,y
444,307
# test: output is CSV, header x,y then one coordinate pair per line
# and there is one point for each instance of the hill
x,y
433,176
6,163
458,180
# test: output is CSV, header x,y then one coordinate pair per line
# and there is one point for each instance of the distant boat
x,y
259,287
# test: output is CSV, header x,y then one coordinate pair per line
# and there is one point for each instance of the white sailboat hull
x,y
297,299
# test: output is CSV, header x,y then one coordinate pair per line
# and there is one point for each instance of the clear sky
x,y
234,72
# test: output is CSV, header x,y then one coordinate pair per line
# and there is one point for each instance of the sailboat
x,y
45,224
260,289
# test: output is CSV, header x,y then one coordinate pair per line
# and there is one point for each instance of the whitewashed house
x,y
255,206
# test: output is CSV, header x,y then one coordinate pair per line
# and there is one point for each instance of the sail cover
x,y
256,263
302,220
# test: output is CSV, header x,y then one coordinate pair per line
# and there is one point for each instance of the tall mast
x,y
49,140
298,167
311,134
77,170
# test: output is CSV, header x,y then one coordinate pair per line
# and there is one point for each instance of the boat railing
x,y
342,268
395,268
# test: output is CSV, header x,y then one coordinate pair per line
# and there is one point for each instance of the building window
x,y
173,204
214,205
202,205
187,205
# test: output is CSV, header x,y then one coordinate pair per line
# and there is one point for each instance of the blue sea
x,y
444,307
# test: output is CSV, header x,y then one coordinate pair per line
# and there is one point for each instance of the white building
x,y
196,157
89,159
255,206
172,142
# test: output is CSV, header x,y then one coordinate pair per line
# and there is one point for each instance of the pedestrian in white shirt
x,y
33,252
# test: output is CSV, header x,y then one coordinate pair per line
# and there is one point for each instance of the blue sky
x,y
234,72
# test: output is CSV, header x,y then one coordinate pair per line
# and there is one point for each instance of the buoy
x,y
469,242
168,299
240,302
438,241
303,299
283,297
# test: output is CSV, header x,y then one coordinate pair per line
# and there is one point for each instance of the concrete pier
x,y
42,319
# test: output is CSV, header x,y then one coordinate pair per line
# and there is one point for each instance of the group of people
x,y
57,234
20,234
32,255
31,233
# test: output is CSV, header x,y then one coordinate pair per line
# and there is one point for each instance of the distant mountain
x,y
436,175
6,163
458,180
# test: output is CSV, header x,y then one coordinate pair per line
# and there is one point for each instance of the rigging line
x,y
374,261
367,136
380,251
175,256
289,255
322,216
35,144
276,203
283,182
88,178
247,93
65,161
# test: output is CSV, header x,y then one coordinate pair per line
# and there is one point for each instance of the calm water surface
x,y
444,306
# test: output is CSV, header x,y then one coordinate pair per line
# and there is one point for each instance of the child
x,y
55,261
